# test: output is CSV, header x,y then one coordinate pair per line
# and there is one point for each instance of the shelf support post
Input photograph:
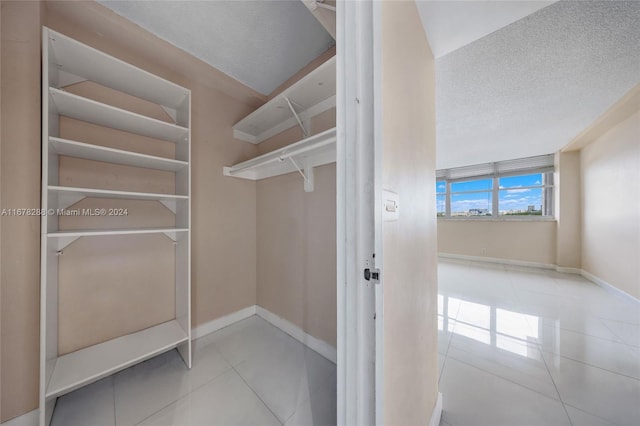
x,y
297,117
308,171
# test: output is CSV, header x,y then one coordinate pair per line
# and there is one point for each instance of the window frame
x,y
547,187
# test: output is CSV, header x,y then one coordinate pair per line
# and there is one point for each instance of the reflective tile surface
x,y
525,346
249,373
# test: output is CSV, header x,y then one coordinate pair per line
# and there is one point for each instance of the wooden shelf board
x,y
311,95
317,150
97,232
107,193
78,59
88,365
80,108
111,155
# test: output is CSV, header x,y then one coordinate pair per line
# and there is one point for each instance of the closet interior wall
x,y
297,241
223,232
224,221
105,281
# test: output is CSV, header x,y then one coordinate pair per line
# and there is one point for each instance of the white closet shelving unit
x,y
296,105
66,61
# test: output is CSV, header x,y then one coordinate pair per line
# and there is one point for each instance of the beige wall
x,y
409,244
547,242
297,251
20,180
527,241
610,175
224,232
568,210
297,242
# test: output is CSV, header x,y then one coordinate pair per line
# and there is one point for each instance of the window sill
x,y
498,219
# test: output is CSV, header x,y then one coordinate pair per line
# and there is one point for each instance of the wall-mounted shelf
x,y
111,155
80,108
309,96
64,62
301,157
73,61
96,232
84,366
64,196
63,238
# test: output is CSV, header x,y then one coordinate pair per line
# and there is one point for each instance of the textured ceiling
x,y
452,24
259,43
529,88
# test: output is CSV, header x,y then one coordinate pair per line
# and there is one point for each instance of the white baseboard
x,y
565,270
32,418
497,260
225,321
320,346
589,276
610,288
437,412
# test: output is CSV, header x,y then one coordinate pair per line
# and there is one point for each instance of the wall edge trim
x,y
222,322
566,270
608,287
437,412
577,271
497,260
320,346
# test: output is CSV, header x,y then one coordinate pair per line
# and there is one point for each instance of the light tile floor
x,y
250,373
524,346
517,346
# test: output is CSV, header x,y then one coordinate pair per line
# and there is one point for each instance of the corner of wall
x,y
568,210
20,178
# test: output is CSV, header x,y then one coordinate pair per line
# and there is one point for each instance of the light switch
x,y
391,207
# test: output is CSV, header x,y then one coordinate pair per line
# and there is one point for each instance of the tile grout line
x,y
507,380
182,397
233,367
593,366
186,394
446,353
564,407
541,349
258,396
249,386
624,342
601,325
594,415
113,391
544,361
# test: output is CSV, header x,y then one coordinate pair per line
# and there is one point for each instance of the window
x,y
507,189
441,197
524,195
472,198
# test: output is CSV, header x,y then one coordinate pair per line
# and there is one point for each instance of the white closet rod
x,y
285,153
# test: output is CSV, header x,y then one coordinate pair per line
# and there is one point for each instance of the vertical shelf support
x,y
309,180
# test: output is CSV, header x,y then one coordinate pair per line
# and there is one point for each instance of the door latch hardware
x,y
372,274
